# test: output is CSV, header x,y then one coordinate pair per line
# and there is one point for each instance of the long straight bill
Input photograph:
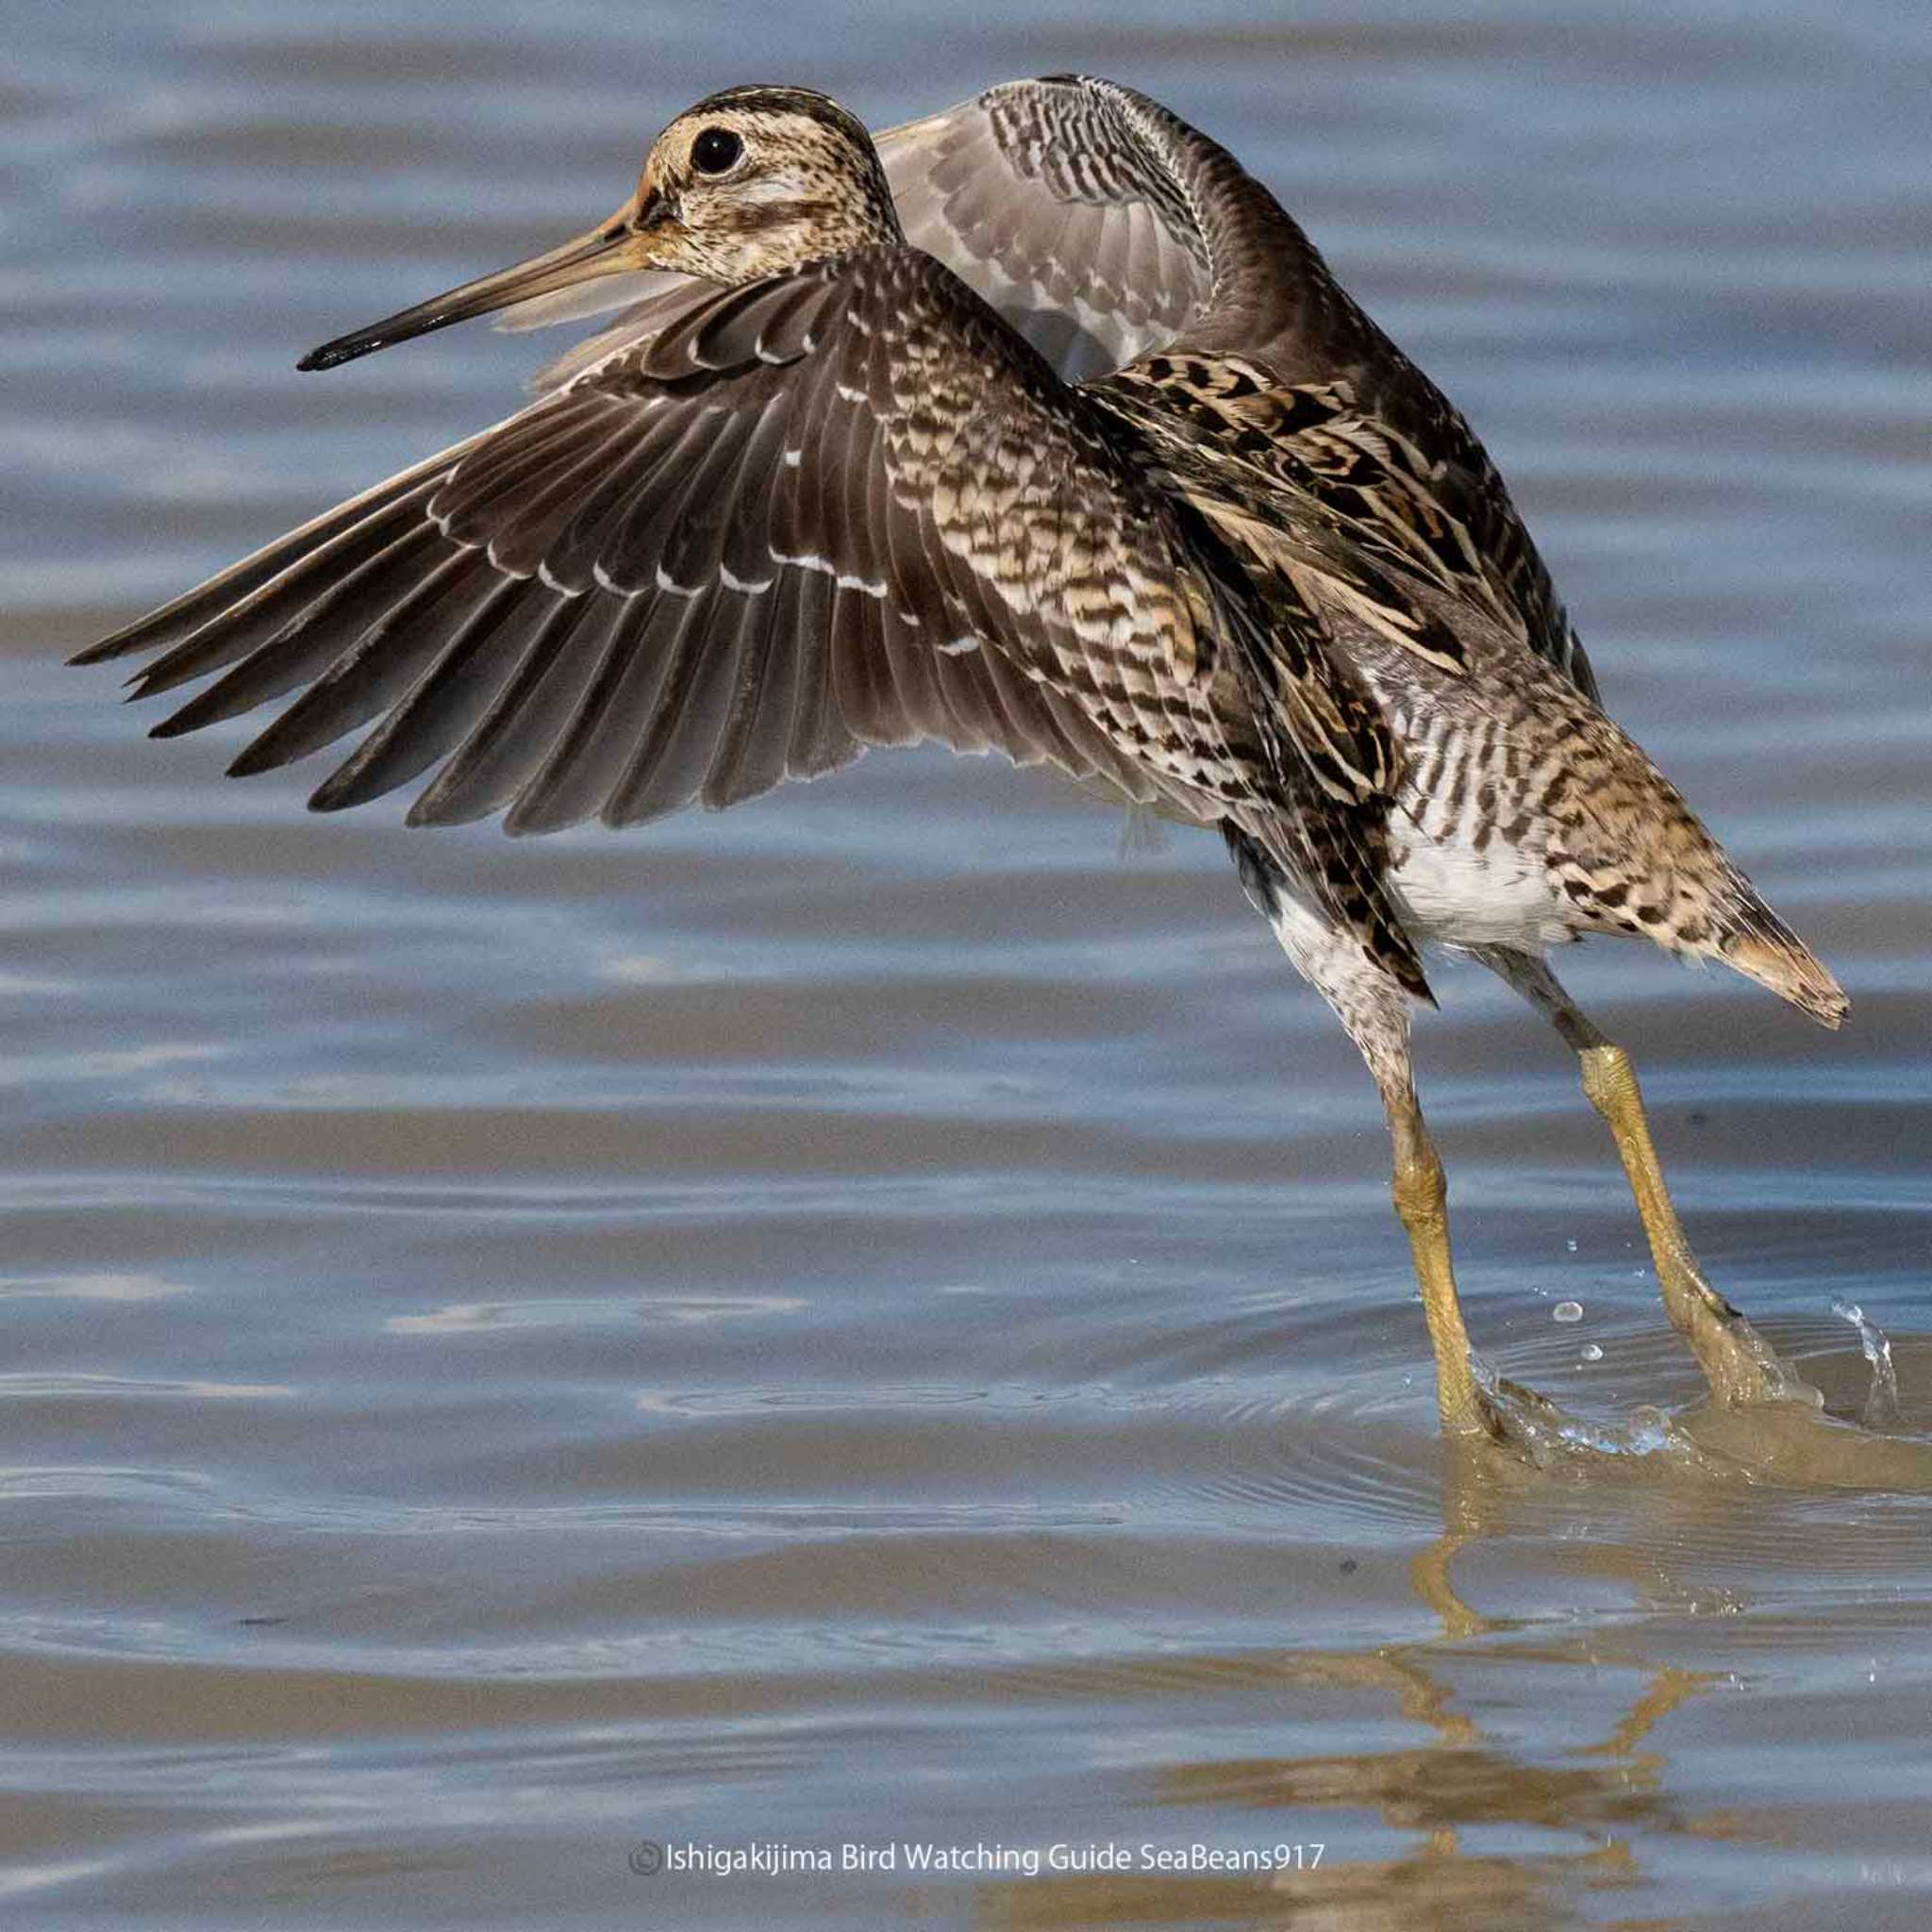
x,y
620,245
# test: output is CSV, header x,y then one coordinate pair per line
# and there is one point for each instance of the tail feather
x,y
1639,860
1762,947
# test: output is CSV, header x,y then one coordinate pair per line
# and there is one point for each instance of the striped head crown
x,y
756,180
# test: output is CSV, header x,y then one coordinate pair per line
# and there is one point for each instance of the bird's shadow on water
x,y
1691,1519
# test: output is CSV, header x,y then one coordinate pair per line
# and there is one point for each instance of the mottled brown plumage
x,y
1256,572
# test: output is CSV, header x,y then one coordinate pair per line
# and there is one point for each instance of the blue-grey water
x,y
874,1319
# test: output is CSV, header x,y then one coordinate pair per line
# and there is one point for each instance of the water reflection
x,y
1480,1807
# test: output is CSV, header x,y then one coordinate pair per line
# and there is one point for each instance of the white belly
x,y
1456,895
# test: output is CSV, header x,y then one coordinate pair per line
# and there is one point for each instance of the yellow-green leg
x,y
1421,1201
1373,1005
1723,1345
1736,1364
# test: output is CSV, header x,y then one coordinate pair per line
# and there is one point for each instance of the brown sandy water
x,y
874,1319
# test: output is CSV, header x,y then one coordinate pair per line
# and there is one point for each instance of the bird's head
x,y
758,179
748,183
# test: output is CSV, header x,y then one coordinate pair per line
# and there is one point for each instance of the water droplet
x,y
1591,1353
1567,1311
1881,1401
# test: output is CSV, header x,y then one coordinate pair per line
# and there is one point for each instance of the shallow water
x,y
875,1318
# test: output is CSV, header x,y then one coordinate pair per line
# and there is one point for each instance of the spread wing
x,y
773,534
840,507
743,550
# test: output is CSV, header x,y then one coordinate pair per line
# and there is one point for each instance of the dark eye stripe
x,y
715,150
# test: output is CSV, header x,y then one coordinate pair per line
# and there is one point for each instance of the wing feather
x,y
307,621
751,749
820,740
496,755
840,507
582,765
380,667
668,759
253,606
448,700
173,628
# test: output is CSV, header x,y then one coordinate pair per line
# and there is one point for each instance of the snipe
x,y
1257,574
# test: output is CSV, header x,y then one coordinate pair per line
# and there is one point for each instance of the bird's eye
x,y
716,150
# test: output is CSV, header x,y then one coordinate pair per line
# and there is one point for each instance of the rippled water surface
x,y
875,1318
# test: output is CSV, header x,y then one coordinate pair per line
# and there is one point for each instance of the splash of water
x,y
1881,1404
1551,1438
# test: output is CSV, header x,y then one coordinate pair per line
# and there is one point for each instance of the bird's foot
x,y
1486,1408
1743,1369
1531,1429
